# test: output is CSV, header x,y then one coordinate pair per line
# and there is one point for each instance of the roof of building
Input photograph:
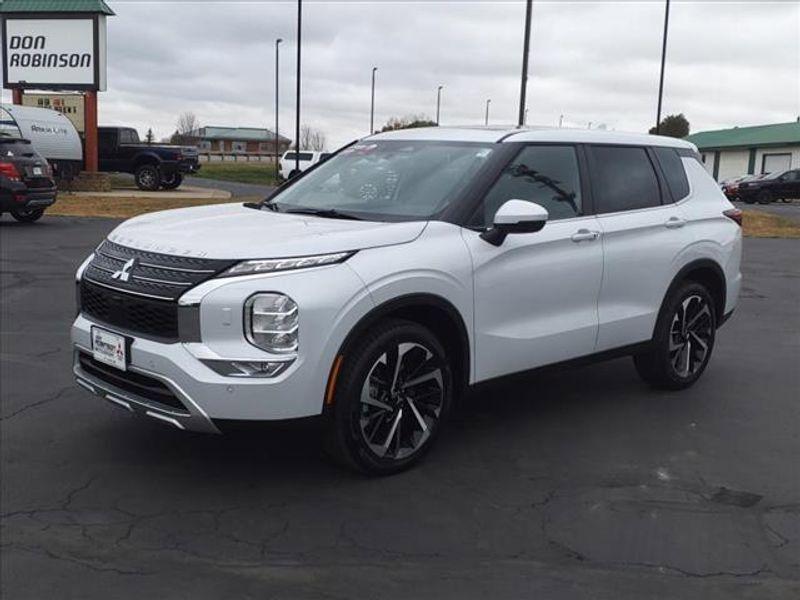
x,y
779,134
530,134
249,134
55,6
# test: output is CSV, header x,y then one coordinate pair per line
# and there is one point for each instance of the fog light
x,y
248,368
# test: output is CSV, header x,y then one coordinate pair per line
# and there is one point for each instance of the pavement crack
x,y
37,404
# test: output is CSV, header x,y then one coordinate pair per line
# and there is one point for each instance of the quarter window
x,y
624,179
674,173
546,175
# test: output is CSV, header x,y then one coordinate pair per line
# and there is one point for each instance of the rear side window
x,y
624,179
674,173
128,136
546,175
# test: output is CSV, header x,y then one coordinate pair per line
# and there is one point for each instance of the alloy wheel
x,y
401,400
690,336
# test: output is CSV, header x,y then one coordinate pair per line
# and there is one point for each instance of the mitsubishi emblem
x,y
125,272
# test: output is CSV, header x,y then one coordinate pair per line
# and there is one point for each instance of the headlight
x,y
250,267
271,322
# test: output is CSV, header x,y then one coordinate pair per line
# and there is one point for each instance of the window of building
x,y
546,175
674,173
623,179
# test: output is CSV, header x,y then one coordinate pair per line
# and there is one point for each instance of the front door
x,y
536,294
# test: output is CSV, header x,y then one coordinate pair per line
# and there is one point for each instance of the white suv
x,y
374,289
288,164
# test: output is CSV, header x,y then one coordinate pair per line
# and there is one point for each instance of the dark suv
x,y
781,185
26,180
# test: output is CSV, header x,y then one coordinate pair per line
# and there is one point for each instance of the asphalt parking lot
x,y
581,484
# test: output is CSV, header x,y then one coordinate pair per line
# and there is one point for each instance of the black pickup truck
x,y
153,166
781,185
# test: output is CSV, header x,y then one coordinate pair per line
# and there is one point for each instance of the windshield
x,y
8,127
388,180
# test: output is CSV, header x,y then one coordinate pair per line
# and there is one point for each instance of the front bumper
x,y
185,369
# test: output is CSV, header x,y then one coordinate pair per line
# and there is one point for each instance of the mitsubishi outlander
x,y
377,286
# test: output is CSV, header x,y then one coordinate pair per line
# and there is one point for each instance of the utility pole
x,y
525,52
560,121
488,102
297,107
663,62
438,102
372,104
277,81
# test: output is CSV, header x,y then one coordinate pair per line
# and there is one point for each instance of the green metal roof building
x,y
745,150
55,6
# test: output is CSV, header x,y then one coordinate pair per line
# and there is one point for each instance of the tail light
x,y
734,214
9,170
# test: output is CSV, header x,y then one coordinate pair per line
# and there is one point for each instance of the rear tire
x,y
171,182
147,178
28,216
392,397
683,340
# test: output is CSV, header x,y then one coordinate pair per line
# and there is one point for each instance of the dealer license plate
x,y
109,348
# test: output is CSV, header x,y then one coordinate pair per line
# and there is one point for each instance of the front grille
x,y
145,316
142,386
151,274
137,290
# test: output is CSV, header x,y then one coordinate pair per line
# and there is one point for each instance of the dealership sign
x,y
53,53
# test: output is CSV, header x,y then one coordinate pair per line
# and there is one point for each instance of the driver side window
x,y
546,175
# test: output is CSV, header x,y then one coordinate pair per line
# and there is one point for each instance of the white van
x,y
51,133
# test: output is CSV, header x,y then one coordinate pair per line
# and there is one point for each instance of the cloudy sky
x,y
728,63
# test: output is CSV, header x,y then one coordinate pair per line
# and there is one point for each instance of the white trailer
x,y
52,135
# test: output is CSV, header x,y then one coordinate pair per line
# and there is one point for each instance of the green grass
x,y
262,173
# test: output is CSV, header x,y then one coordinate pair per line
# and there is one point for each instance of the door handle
x,y
584,235
674,223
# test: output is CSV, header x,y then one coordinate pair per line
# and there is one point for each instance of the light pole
x,y
372,104
525,120
663,61
488,102
277,80
297,107
525,52
438,103
560,121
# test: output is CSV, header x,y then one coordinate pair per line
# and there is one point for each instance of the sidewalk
x,y
183,192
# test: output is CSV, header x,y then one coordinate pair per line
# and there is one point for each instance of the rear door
x,y
643,233
536,293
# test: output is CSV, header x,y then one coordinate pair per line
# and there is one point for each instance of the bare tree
x,y
187,126
312,139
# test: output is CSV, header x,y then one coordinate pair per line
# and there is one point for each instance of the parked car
x,y
27,187
52,135
780,185
409,266
287,166
152,165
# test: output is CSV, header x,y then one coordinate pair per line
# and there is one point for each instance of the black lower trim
x,y
140,385
725,318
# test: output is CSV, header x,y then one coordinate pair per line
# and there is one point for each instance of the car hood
x,y
233,231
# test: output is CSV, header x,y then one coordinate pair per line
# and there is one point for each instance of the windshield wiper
x,y
328,213
261,205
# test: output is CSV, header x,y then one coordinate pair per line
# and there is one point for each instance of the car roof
x,y
529,134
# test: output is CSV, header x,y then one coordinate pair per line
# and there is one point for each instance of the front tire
x,y
147,178
765,197
28,216
683,340
391,400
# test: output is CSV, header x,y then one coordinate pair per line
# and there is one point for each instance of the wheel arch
x,y
707,272
435,313
148,158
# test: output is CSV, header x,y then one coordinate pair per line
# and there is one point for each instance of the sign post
x,y
49,47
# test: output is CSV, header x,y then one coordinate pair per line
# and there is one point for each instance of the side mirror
x,y
515,216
